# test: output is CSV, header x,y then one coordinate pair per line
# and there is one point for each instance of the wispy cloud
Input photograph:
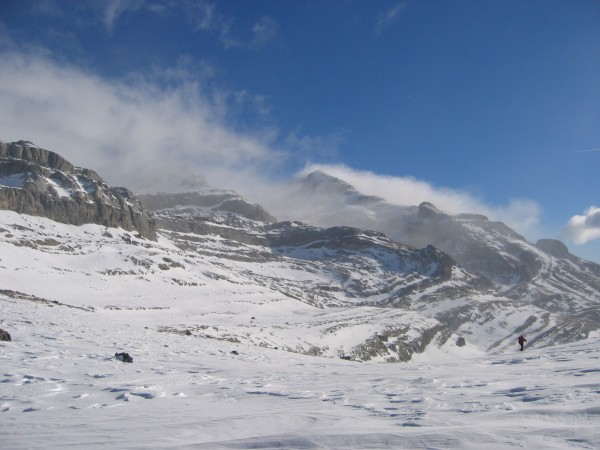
x,y
113,9
205,16
202,16
136,133
521,214
108,12
584,228
5,40
265,31
385,20
589,150
315,148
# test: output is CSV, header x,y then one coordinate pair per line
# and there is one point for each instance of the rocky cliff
x,y
40,182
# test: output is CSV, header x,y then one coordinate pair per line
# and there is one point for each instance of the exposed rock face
x,y
554,247
5,335
27,151
207,200
39,182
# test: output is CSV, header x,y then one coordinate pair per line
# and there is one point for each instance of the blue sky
x,y
490,107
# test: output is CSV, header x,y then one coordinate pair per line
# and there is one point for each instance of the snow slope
x,y
61,388
203,293
219,359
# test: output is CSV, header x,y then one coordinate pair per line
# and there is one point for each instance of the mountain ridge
x,y
363,296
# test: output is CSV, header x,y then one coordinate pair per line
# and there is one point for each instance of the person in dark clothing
x,y
522,341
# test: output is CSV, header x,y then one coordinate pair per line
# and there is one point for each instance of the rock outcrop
x,y
40,182
553,247
207,200
5,335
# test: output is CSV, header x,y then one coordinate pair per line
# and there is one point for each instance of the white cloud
x,y
137,133
585,228
148,134
521,214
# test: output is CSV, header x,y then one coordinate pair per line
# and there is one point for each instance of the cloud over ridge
x,y
521,214
149,136
584,228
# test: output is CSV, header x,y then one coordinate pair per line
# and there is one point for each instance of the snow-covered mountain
x,y
544,274
241,327
370,297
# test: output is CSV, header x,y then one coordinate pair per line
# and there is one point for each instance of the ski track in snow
x,y
60,387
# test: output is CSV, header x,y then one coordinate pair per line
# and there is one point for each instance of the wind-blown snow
x,y
214,368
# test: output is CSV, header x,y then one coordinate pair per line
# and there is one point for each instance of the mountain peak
x,y
27,151
428,210
554,247
323,181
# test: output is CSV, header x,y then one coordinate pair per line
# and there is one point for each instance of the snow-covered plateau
x,y
214,365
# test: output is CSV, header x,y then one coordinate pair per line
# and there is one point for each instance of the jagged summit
x,y
40,182
323,184
323,181
428,210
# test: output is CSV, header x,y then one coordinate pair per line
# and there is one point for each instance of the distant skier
x,y
522,341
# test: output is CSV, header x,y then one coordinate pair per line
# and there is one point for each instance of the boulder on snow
x,y
4,335
125,357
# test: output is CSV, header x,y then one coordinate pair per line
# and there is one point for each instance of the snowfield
x,y
61,387
215,364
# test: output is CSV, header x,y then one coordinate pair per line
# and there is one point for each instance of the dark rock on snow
x,y
125,357
4,335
